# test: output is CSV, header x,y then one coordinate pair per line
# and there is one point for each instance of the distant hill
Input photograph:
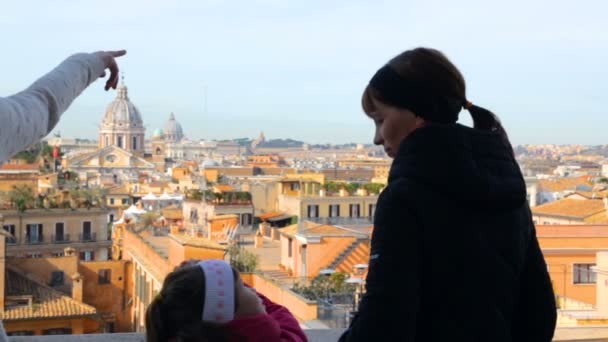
x,y
281,143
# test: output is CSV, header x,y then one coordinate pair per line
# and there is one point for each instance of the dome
x,y
121,111
210,163
158,133
173,130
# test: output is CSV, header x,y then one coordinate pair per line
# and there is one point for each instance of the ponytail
x,y
484,119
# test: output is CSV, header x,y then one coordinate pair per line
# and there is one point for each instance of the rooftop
x,y
563,184
188,240
583,230
572,208
41,300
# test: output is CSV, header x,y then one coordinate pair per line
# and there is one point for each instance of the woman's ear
x,y
419,122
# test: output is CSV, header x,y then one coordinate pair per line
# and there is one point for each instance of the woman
x,y
454,253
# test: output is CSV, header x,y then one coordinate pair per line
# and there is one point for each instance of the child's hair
x,y
175,314
431,75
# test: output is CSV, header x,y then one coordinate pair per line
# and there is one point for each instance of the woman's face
x,y
392,126
249,304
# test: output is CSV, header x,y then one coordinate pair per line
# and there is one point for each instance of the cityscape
x,y
94,226
236,132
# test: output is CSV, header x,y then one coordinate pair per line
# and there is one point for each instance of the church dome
x,y
122,112
173,130
158,133
209,163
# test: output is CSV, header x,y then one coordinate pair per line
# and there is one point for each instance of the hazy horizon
x,y
296,70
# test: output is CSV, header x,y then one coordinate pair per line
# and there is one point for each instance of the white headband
x,y
219,291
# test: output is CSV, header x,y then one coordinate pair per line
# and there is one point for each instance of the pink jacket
x,y
276,325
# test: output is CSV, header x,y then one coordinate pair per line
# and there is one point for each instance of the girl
x,y
207,301
454,254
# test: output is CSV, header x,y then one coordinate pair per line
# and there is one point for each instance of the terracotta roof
x,y
567,230
572,208
591,194
563,184
158,184
272,214
196,241
315,229
119,190
47,302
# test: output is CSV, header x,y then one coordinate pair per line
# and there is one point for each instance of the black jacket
x,y
454,253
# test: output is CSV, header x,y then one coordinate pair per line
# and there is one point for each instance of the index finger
x,y
118,53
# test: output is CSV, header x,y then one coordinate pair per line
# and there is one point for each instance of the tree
x,y
603,180
243,260
148,219
22,197
331,187
322,285
373,188
351,188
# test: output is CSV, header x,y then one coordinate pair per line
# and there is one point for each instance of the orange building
x,y
308,247
570,253
265,160
153,257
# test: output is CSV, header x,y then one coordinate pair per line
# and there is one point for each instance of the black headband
x,y
418,98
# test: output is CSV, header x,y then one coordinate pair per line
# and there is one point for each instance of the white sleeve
x,y
28,116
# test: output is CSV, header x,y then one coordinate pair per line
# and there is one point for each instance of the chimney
x,y
77,286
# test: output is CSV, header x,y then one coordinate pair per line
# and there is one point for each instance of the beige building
x,y
307,199
47,232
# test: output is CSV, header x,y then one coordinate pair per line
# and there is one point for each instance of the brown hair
x,y
176,312
432,72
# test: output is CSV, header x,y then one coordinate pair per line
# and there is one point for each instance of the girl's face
x,y
392,126
249,304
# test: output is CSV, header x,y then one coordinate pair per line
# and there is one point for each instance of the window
x,y
582,274
295,186
86,231
289,247
313,210
109,328
134,143
334,210
107,141
125,201
59,236
355,210
57,331
10,228
20,333
33,233
372,210
105,276
119,141
58,254
111,200
87,256
57,278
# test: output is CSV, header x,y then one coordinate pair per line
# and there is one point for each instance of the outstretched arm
x,y
29,115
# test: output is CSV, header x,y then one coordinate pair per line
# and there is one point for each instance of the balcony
x,y
87,237
34,240
63,238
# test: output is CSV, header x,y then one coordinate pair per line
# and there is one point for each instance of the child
x,y
207,301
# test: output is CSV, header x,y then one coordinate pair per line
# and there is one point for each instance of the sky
x,y
296,69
